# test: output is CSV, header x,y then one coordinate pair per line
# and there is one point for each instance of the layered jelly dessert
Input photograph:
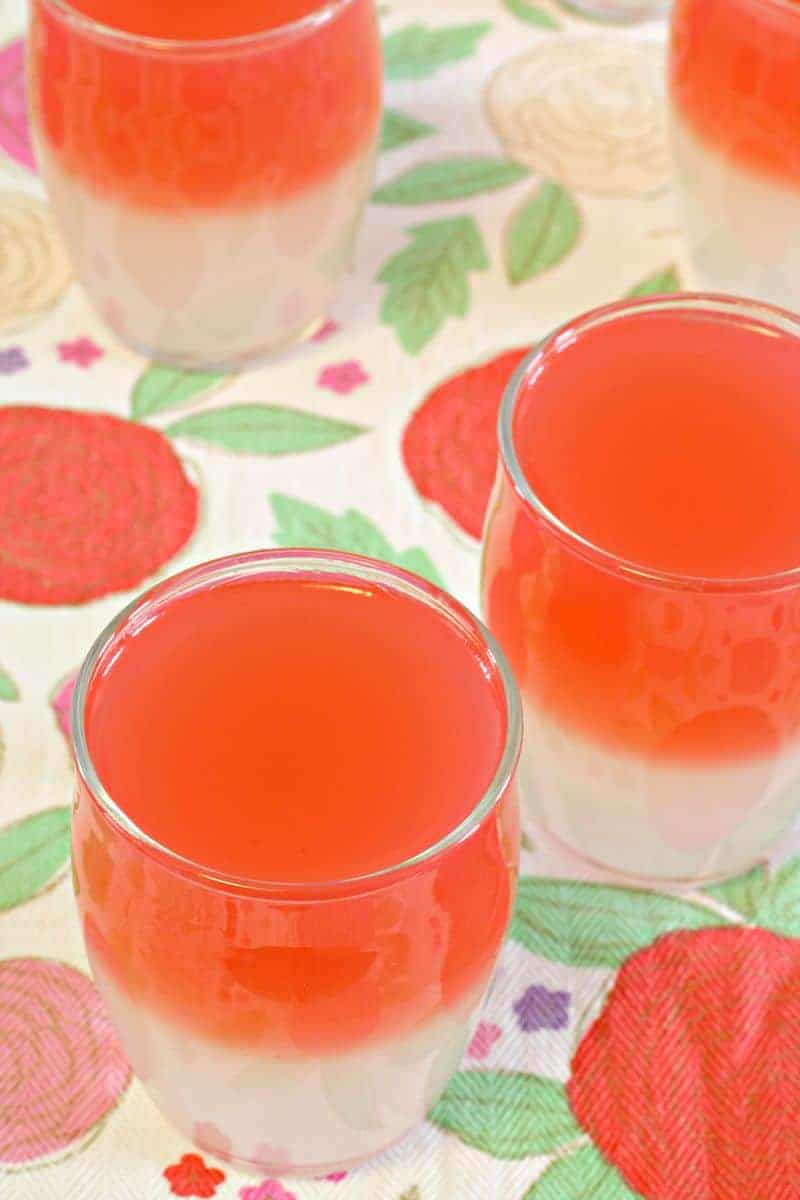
x,y
642,571
295,847
735,96
208,163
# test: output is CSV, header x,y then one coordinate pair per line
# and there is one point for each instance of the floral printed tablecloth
x,y
634,1044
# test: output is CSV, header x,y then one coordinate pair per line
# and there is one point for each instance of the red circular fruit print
x,y
450,443
89,504
689,1081
61,1066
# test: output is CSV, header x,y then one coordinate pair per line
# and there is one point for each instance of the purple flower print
x,y
12,360
539,1008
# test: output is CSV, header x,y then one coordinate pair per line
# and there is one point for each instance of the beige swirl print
x,y
586,111
34,268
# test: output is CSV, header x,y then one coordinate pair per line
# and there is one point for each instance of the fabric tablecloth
x,y
523,177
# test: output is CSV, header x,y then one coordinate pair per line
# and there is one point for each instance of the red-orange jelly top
x,y
169,127
670,441
301,731
735,79
296,730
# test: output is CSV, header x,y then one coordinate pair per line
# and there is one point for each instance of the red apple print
x,y
191,1177
450,443
91,504
689,1081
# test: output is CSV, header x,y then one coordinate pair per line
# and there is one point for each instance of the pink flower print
x,y
483,1039
82,352
269,1189
343,378
62,703
15,136
326,331
335,1176
191,1177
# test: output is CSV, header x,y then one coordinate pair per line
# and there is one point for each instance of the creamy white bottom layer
x,y
204,289
651,819
743,228
310,1115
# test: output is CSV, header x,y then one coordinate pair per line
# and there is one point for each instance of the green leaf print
x,y
304,524
264,429
8,689
582,1175
417,51
429,280
161,389
449,179
398,129
666,279
32,853
531,13
594,925
779,909
542,233
506,1114
742,893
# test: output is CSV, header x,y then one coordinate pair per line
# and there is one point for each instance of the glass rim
x,y
204,46
299,562
725,307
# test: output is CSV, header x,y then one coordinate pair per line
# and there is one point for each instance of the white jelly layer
x,y
202,288
279,1114
653,819
743,228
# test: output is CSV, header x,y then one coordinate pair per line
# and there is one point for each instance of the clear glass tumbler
x,y
662,706
294,1026
734,93
209,191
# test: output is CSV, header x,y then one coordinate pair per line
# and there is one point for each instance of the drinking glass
x,y
209,192
662,708
291,1026
734,95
